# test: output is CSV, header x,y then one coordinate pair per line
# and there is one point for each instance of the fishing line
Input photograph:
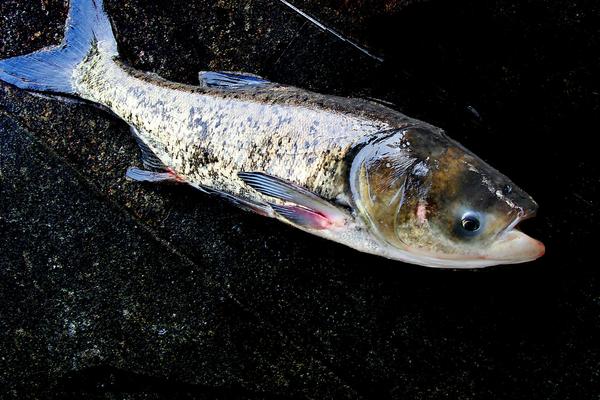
x,y
338,35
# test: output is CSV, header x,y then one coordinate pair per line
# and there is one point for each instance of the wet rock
x,y
109,287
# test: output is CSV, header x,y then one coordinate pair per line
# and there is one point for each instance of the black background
x,y
115,290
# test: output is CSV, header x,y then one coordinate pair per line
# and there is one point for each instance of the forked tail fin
x,y
51,69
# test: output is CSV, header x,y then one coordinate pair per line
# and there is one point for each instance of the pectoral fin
x,y
308,209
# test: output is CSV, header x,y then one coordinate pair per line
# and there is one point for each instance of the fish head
x,y
429,201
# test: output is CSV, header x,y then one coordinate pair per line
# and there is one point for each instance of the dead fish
x,y
350,170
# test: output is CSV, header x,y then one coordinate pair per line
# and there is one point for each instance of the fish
x,y
351,170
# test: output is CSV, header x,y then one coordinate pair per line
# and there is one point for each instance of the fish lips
x,y
513,246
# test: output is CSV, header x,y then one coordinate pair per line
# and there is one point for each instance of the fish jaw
x,y
512,246
515,247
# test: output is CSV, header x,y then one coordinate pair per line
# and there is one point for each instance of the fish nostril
x,y
507,189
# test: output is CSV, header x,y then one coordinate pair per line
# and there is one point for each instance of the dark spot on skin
x,y
204,157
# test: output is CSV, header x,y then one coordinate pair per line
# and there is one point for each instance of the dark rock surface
x,y
109,289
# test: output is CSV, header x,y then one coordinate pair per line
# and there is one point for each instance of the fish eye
x,y
469,224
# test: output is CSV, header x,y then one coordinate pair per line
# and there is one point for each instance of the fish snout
x,y
516,247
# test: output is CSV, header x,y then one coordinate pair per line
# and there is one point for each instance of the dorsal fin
x,y
230,80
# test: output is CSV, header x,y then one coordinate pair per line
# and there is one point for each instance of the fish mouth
x,y
513,246
521,216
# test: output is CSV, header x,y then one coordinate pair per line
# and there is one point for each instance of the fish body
x,y
349,170
210,134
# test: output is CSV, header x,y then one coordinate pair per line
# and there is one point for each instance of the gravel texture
x,y
115,290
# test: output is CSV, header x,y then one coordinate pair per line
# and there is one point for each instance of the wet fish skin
x,y
208,135
349,170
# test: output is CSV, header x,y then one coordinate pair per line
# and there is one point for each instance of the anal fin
x,y
140,175
155,170
149,159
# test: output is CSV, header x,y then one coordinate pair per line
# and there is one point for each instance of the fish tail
x,y
51,69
